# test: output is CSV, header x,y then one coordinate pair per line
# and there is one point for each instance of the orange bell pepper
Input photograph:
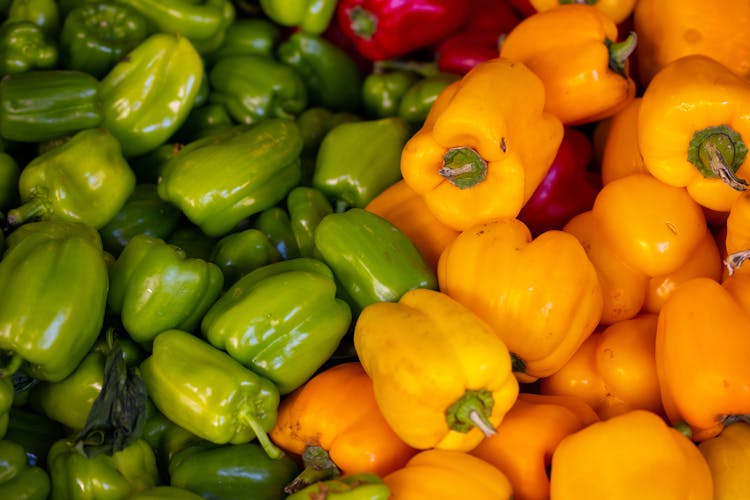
x,y
484,147
702,352
404,208
334,419
527,437
614,371
442,378
574,50
448,474
670,29
728,455
616,10
622,155
633,455
541,296
737,235
692,128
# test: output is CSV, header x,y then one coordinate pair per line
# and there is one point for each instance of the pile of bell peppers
x,y
365,249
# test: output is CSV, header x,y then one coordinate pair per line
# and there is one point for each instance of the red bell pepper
x,y
568,189
523,7
387,29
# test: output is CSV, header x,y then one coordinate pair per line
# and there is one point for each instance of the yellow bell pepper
x,y
692,130
617,10
737,235
542,296
441,376
484,147
622,155
728,455
574,50
633,455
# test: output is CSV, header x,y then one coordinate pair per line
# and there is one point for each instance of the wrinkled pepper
x,y
19,479
24,46
310,16
307,206
241,252
543,297
705,150
473,160
726,454
361,486
442,377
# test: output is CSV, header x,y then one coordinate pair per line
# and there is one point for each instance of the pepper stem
x,y
619,53
472,410
684,429
717,153
271,449
517,364
735,260
363,22
318,467
35,207
463,167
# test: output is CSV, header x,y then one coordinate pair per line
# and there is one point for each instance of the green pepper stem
x,y
363,22
684,429
735,260
271,449
619,53
35,207
318,467
471,410
463,167
12,366
717,153
517,364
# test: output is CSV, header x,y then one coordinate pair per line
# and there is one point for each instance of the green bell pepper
x,y
167,493
154,287
243,251
357,486
357,161
191,240
307,206
43,13
202,121
37,106
208,393
166,439
35,432
231,472
9,174
372,259
275,223
283,326
419,98
255,88
54,284
311,16
226,178
332,78
86,179
382,92
24,46
314,123
143,213
248,36
6,403
148,94
86,46
18,479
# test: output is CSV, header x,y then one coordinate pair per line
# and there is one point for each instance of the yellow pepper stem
x,y
318,467
619,53
472,410
717,152
271,449
735,260
463,167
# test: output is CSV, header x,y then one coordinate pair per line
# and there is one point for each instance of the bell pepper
x,y
543,297
390,29
320,421
737,237
86,47
621,153
19,479
143,213
241,252
470,160
148,94
307,206
45,323
154,287
569,187
361,486
372,259
206,392
6,403
527,438
594,83
704,152
450,474
193,242
331,77
358,160
202,121
165,492
705,322
617,10
616,459
35,432
24,46
166,438
85,179
282,326
37,106
9,174
314,123
276,224
254,88
247,36
416,103
308,16
725,453
442,377
43,13
222,179
382,91
231,471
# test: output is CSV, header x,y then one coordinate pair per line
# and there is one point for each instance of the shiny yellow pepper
x,y
441,376
728,455
484,147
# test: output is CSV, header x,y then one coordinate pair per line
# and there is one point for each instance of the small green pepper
x,y
24,47
382,92
35,432
275,223
202,121
43,13
311,16
248,36
357,486
314,123
307,206
419,98
193,242
166,438
243,251
18,479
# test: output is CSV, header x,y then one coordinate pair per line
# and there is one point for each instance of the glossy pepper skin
x,y
37,106
19,479
542,319
473,160
154,287
43,13
725,453
384,29
307,206
418,99
220,180
241,252
86,179
594,82
206,392
247,36
276,224
382,91
705,150
148,94
360,486
282,326
44,322
24,46
427,343
310,16
616,458
372,259
231,471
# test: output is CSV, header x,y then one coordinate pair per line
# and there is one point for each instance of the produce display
x,y
374,249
